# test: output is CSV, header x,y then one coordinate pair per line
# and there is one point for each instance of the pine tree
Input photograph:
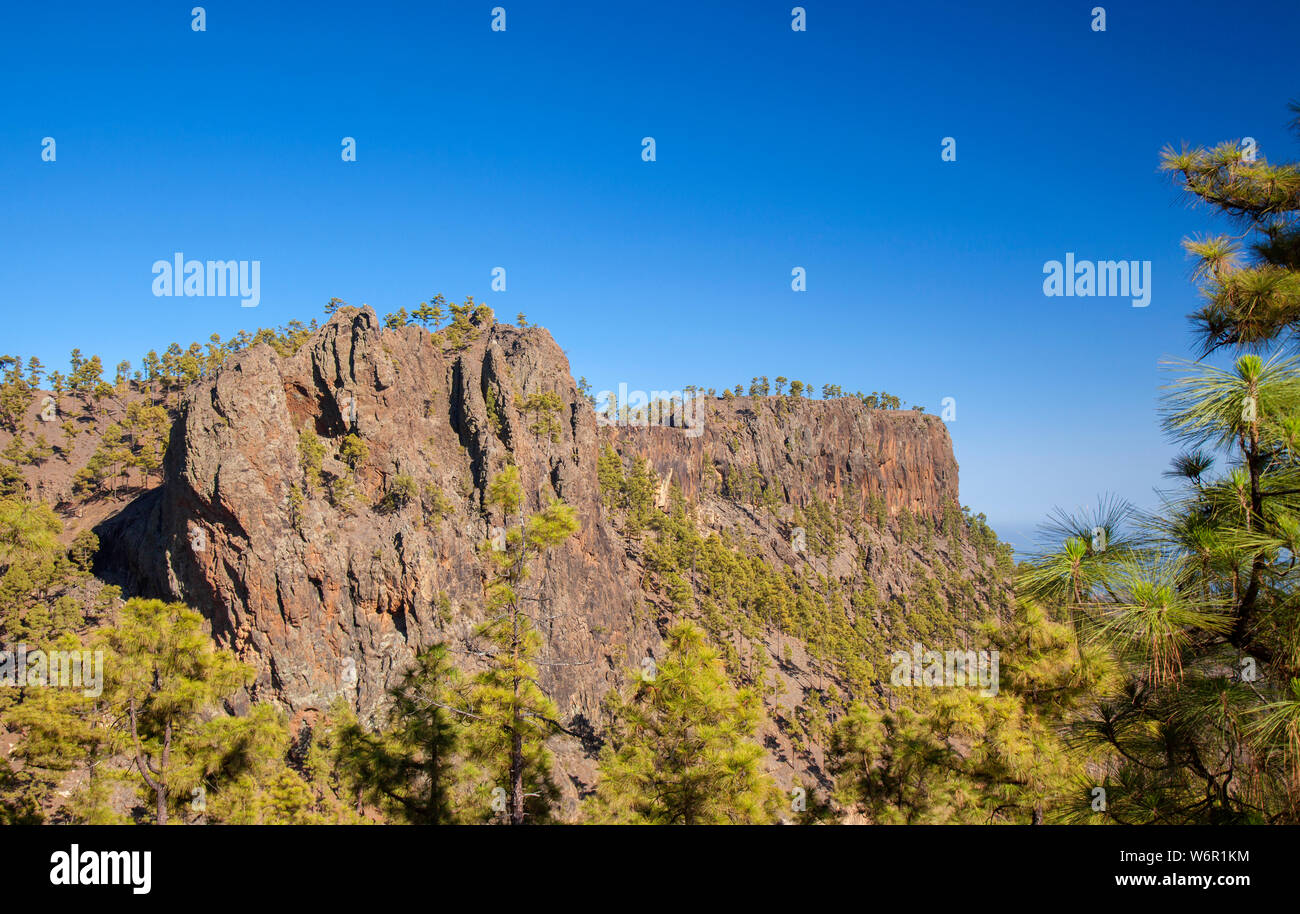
x,y
163,676
426,314
240,771
512,717
353,451
15,394
311,453
411,767
148,427
942,754
682,748
437,313
35,573
64,730
87,375
1196,603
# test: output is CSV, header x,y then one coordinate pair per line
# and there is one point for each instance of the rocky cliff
x,y
328,586
832,450
332,597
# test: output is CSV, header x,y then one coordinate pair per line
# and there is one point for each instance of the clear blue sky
x,y
775,149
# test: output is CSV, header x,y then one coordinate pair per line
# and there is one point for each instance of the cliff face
x,y
833,450
750,464
329,592
328,601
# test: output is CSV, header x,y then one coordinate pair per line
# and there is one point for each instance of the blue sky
x,y
775,149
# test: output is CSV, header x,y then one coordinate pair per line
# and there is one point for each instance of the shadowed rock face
x,y
330,596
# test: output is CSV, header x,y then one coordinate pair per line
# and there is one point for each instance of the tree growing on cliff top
x,y
430,312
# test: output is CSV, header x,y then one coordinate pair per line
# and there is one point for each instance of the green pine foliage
x,y
544,407
412,769
311,454
163,676
959,755
511,716
1195,604
42,584
682,748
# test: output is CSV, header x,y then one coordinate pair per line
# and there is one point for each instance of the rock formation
x,y
329,590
